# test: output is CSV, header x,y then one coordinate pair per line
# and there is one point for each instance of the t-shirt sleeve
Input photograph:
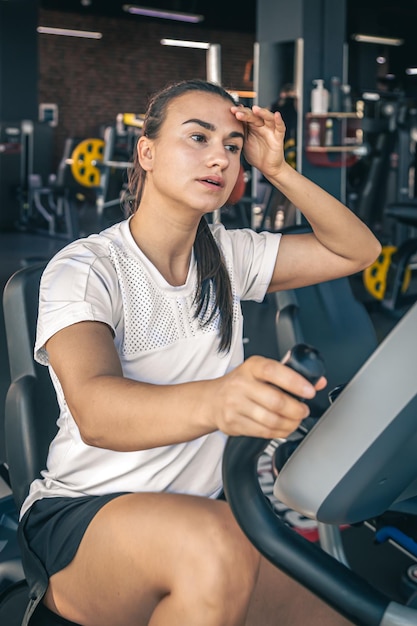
x,y
73,288
253,257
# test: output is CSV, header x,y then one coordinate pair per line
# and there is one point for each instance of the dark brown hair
x,y
212,275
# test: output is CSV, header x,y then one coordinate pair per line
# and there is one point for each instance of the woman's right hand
x,y
259,399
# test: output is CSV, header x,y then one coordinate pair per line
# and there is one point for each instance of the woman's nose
x,y
219,156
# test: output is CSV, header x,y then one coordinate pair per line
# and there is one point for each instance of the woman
x,y
141,328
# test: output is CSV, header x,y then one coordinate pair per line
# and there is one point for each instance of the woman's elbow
x,y
89,438
87,425
370,254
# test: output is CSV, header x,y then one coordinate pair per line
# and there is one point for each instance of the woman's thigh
x,y
140,549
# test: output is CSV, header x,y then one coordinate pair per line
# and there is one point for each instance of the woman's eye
x,y
233,148
198,137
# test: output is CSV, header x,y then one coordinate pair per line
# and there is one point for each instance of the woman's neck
x,y
167,245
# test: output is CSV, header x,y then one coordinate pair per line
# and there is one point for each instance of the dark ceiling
x,y
381,16
378,17
239,16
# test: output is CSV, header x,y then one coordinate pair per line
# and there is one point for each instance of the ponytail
x,y
212,276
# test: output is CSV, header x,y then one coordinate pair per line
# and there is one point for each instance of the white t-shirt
x,y
105,277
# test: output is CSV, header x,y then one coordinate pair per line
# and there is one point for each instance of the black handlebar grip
x,y
305,360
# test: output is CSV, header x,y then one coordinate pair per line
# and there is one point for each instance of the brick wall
x,y
92,81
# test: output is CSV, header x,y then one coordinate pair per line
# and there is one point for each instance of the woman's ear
x,y
145,153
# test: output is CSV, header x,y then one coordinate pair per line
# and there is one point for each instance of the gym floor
x,y
383,565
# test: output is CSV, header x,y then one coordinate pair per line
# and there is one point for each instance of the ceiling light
x,y
387,41
182,43
369,95
163,14
67,32
411,71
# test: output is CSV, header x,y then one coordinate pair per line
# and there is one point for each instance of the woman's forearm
x,y
334,224
125,415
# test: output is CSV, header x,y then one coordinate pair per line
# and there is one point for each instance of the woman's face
x,y
195,160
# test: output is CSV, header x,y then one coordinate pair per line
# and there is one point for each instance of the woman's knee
x,y
224,563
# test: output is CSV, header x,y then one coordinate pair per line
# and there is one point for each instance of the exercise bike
x,y
356,463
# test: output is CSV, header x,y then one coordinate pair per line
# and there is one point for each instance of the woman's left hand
x,y
264,138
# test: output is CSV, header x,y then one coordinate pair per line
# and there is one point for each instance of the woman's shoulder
x,y
250,257
223,234
238,237
84,261
88,249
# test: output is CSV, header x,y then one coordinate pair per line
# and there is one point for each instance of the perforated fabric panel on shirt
x,y
156,318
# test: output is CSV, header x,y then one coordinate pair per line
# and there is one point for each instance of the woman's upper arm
x,y
81,352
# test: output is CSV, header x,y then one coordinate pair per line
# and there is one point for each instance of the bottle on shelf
x,y
319,97
328,133
314,133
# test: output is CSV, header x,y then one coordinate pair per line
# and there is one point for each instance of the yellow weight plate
x,y
290,153
84,157
375,276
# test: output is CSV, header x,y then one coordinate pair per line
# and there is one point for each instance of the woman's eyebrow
x,y
206,125
209,126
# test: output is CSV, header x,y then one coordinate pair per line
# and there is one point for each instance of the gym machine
x,y
100,165
368,179
25,149
84,195
355,465
388,279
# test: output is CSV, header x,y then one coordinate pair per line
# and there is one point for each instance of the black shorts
x,y
49,535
